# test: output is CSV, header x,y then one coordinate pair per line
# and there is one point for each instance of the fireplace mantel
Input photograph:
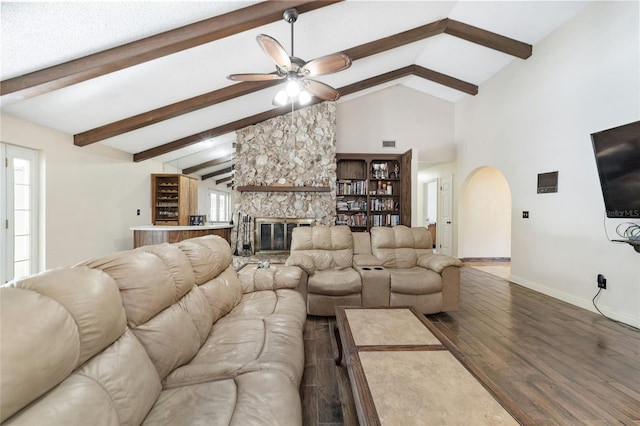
x,y
282,188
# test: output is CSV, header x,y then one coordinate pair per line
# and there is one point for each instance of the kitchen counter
x,y
151,234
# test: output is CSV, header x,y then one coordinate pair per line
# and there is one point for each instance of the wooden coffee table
x,y
404,371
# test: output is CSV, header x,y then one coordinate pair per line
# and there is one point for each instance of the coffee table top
x,y
388,327
403,370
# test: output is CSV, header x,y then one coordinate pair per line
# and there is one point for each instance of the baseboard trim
x,y
572,300
486,259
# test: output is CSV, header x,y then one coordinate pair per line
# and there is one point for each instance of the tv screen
x,y
617,153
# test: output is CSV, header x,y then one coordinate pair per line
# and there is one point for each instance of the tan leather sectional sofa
x,y
166,334
387,267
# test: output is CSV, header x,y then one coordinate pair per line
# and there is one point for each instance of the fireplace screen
x,y
273,235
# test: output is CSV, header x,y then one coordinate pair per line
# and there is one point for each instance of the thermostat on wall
x,y
547,182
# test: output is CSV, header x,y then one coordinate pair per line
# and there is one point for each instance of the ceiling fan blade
x,y
327,64
275,51
321,90
255,77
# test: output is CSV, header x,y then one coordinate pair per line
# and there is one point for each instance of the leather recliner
x,y
325,253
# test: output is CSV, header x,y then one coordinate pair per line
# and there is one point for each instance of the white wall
x,y
91,194
537,116
412,119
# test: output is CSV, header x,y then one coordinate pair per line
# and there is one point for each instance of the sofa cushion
x,y
400,246
223,293
171,326
73,351
116,387
178,263
415,280
145,283
264,331
330,247
209,256
52,323
361,243
335,282
254,398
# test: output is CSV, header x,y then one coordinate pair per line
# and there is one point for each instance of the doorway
x,y
430,208
485,216
18,212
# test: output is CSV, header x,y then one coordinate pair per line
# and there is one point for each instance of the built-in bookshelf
x,y
373,190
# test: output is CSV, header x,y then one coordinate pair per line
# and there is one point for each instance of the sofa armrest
x,y
303,261
272,278
438,262
366,260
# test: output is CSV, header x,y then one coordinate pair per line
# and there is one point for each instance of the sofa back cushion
x,y
166,311
64,320
361,243
330,247
209,256
400,246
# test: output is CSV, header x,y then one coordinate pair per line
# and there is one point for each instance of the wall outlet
x,y
602,282
525,214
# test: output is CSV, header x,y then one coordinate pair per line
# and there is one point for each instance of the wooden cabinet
x,y
373,190
174,198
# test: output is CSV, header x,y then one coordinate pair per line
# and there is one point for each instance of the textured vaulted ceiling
x,y
40,35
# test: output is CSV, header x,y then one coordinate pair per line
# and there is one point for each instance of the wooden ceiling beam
x,y
208,134
227,179
374,81
170,111
345,90
397,40
455,28
211,163
217,173
488,39
445,80
153,47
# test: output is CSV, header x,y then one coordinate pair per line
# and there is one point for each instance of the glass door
x,y
19,213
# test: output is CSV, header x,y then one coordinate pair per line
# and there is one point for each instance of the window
x,y
18,210
220,202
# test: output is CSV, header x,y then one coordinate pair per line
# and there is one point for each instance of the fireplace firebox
x,y
273,235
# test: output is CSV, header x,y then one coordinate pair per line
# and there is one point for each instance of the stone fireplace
x,y
281,166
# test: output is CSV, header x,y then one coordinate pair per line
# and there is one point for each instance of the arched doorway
x,y
485,216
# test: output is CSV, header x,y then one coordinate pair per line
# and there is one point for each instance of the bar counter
x,y
150,234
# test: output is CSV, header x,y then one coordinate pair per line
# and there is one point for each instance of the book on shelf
x,y
358,219
348,187
385,219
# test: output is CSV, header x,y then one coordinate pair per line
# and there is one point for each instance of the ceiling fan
x,y
296,71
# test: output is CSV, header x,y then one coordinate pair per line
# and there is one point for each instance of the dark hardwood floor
x,y
562,364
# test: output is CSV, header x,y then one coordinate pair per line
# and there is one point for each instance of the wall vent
x,y
388,144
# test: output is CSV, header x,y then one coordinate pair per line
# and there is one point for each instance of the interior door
x,y
445,232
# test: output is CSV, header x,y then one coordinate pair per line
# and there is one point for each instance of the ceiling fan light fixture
x,y
281,98
299,87
293,88
304,97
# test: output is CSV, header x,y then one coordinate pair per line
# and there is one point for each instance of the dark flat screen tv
x,y
617,153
